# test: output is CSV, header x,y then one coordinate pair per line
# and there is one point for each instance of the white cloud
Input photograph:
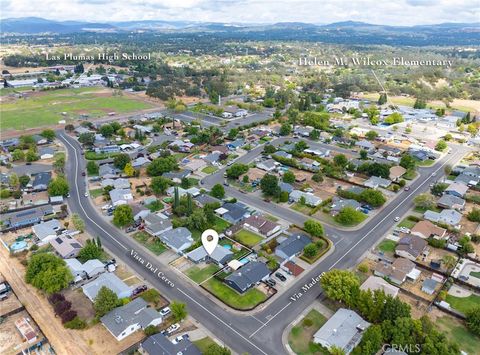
x,y
400,12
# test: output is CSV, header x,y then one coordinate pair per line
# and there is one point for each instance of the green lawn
x,y
463,304
47,107
220,224
96,193
410,175
230,297
90,155
406,223
247,238
456,331
428,162
209,169
151,243
300,338
199,275
203,344
302,208
387,246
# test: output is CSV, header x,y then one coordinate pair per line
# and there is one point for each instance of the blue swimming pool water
x,y
18,245
227,246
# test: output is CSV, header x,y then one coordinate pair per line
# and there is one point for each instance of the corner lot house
x,y
292,246
123,321
247,276
110,281
343,330
159,344
177,239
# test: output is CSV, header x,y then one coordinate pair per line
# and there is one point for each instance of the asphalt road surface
x,y
260,332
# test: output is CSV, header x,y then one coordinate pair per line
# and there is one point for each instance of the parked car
x,y
280,276
407,188
165,311
173,328
130,229
270,282
83,173
139,290
86,194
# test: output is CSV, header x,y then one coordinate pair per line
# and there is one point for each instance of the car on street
x,y
173,328
281,276
165,311
83,173
407,188
230,162
226,183
397,219
86,194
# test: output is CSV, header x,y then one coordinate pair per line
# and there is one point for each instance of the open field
x,y
301,336
46,108
456,331
387,246
463,304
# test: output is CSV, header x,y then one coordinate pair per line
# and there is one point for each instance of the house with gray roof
x,y
267,165
343,330
120,183
428,286
46,153
339,203
467,180
41,180
451,202
364,144
120,196
156,225
411,247
25,218
203,199
283,154
447,216
473,171
292,246
247,276
46,231
213,158
66,246
109,280
375,182
139,162
220,255
159,344
127,319
310,199
177,239
284,186
233,212
107,171
456,189
87,270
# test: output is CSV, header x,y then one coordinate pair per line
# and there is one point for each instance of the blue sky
x,y
392,12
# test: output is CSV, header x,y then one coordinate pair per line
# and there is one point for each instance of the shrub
x,y
151,296
61,307
55,298
150,330
68,316
363,268
75,323
307,322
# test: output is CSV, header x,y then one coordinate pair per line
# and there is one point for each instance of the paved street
x,y
243,332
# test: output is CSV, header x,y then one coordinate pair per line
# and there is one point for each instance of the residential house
x,y
41,180
456,189
46,231
220,255
195,164
39,140
267,165
374,283
236,144
467,180
116,183
248,276
284,186
120,197
339,203
310,164
181,146
46,153
159,344
364,144
213,158
108,171
233,212
25,218
177,176
219,148
204,199
85,271
473,171
183,192
66,246
35,198
389,150
156,225
261,225
396,172
398,272
451,202
139,212
292,246
411,247
109,280
177,239
283,154
319,152
448,216
426,229
374,182
127,319
343,330
428,286
140,162
108,149
303,131
310,198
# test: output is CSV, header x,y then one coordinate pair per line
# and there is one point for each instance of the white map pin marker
x,y
210,240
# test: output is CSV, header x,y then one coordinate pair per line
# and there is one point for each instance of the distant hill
x,y
33,25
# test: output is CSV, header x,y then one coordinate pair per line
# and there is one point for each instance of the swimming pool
x,y
227,246
18,246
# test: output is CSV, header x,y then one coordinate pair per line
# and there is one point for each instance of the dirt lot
x,y
80,303
418,308
10,304
416,287
435,255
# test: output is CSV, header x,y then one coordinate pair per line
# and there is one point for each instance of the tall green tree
x,y
105,301
123,216
48,273
341,285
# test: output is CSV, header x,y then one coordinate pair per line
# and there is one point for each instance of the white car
x,y
165,311
397,219
178,339
173,328
86,194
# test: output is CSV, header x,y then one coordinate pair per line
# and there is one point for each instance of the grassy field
x,y
301,336
209,169
247,238
406,223
96,192
229,296
46,108
151,243
199,275
456,331
387,246
204,343
463,304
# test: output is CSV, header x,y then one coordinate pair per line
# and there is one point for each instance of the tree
x,y
372,341
48,273
24,180
441,145
473,320
233,133
87,138
123,216
438,188
92,168
159,184
162,165
382,99
269,185
215,349
407,162
14,181
78,222
218,191
185,183
105,301
474,215
317,177
69,128
129,170
269,149
394,308
18,154
447,169
424,200
236,170
313,228
179,311
106,130
373,197
285,129
150,330
449,261
121,160
363,154
58,187
49,134
31,155
310,250
349,216
289,177
340,160
315,135
394,118
90,251
371,135
341,285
